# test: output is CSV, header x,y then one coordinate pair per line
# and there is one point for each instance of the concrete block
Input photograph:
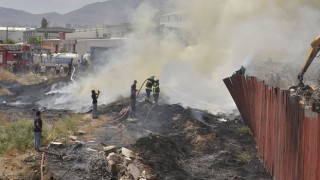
x,y
127,152
73,138
109,149
127,161
114,157
81,132
111,167
56,144
121,169
133,170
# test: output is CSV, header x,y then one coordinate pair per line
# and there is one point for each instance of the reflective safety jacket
x,y
149,84
155,88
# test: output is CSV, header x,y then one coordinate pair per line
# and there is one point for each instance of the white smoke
x,y
224,35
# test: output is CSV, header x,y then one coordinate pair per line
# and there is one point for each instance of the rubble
x,y
127,152
109,149
134,171
81,132
56,144
73,138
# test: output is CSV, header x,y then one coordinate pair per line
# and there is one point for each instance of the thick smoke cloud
x,y
222,35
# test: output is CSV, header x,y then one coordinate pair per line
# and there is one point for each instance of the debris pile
x,y
109,162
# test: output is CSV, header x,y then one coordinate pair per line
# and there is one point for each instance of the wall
x,y
286,134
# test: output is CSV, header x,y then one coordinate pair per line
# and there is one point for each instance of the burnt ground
x,y
169,141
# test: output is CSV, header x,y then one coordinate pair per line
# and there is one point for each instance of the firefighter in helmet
x,y
156,91
150,82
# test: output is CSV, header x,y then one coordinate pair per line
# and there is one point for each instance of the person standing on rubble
x,y
149,84
42,70
94,97
61,70
57,66
70,67
156,91
133,98
37,128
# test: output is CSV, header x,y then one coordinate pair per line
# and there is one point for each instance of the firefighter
x,y
133,97
149,84
155,91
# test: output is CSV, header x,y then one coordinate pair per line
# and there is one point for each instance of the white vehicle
x,y
65,58
62,58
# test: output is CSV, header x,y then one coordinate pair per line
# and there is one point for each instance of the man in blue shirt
x,y
37,128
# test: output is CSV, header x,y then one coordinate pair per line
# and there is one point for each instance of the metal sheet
x,y
287,136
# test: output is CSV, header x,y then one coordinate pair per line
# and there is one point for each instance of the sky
x,y
45,6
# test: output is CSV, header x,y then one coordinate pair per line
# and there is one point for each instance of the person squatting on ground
x,y
94,96
37,128
133,97
149,84
156,91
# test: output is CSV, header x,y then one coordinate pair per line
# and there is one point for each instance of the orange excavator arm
x,y
315,47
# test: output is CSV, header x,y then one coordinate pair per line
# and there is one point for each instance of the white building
x,y
14,33
91,39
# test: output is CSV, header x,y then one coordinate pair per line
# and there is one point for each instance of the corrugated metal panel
x,y
287,136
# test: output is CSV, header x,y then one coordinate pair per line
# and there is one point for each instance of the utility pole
x,y
7,34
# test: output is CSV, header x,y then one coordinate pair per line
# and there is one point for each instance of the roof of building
x,y
16,28
53,30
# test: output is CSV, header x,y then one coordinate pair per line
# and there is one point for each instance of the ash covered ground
x,y
166,141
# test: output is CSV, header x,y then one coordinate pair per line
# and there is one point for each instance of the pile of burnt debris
x,y
309,96
75,159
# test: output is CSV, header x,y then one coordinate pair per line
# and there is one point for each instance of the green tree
x,y
33,40
10,41
44,23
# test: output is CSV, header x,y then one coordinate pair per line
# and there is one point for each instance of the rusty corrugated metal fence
x,y
287,136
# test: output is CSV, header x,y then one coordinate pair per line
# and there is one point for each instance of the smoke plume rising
x,y
221,36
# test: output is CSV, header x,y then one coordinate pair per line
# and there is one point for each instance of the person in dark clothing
x,y
156,91
133,97
149,84
70,67
94,97
37,128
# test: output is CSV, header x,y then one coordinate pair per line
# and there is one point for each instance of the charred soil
x,y
168,142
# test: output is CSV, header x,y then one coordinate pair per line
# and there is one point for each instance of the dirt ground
x,y
168,140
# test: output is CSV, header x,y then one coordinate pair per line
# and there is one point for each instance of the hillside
x,y
95,14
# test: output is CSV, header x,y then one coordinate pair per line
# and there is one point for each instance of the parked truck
x,y
17,56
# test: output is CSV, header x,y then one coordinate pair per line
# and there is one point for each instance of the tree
x,y
44,23
10,41
33,40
